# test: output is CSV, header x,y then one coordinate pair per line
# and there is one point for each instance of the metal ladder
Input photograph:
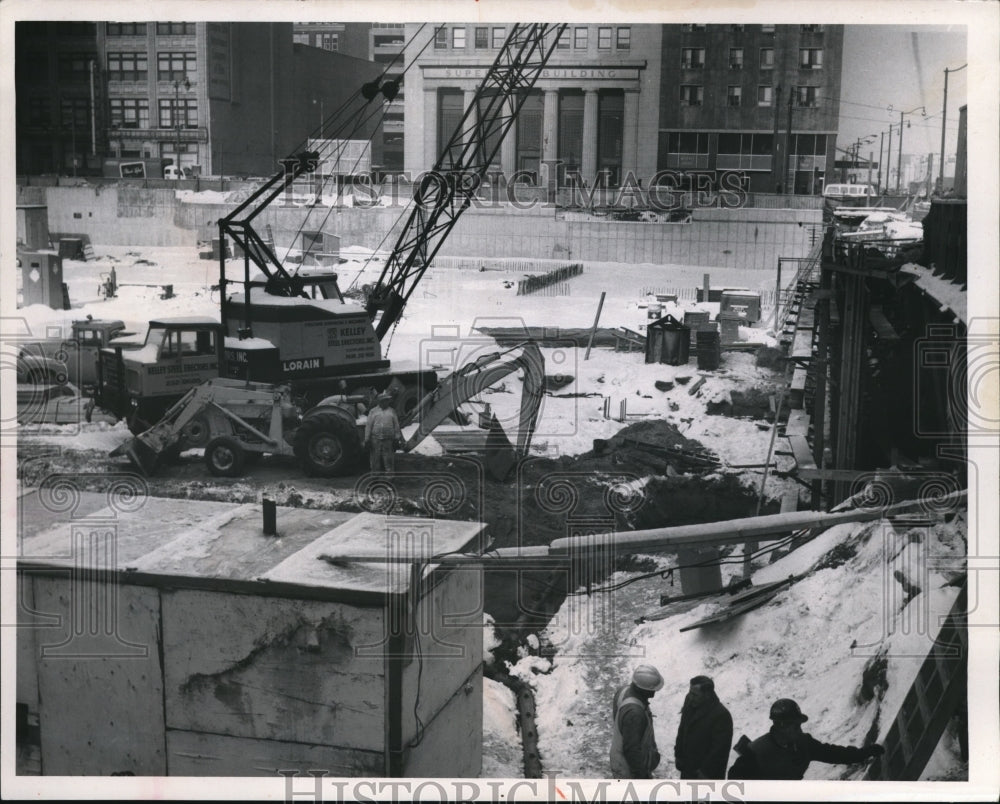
x,y
934,698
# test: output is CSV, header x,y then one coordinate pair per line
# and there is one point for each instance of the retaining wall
x,y
751,238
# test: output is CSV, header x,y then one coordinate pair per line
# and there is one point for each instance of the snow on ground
x,y
812,643
441,318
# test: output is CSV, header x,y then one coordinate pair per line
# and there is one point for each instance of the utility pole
x,y
177,119
776,165
899,158
888,161
944,117
881,140
788,145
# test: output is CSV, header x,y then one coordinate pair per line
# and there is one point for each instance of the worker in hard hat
x,y
382,434
705,733
633,743
786,751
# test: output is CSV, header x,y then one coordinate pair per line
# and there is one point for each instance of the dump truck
x,y
73,359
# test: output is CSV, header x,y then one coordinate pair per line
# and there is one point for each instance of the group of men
x,y
705,737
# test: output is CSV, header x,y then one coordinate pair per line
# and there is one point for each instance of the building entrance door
x,y
529,135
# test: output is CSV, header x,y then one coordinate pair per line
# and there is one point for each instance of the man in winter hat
x,y
705,734
633,743
786,751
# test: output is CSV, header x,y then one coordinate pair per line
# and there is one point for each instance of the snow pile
x,y
845,641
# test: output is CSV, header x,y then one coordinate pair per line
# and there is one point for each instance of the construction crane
x,y
296,379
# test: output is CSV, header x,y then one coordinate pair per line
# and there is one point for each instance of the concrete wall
x,y
751,238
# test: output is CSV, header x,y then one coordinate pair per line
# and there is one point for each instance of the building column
x,y
630,134
468,96
430,129
508,148
550,133
588,161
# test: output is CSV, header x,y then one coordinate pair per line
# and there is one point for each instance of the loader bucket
x,y
500,454
144,451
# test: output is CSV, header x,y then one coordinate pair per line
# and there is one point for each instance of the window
x,y
734,95
175,28
499,35
129,113
74,66
691,94
604,39
179,112
806,96
74,113
564,40
440,38
127,67
580,38
458,37
684,149
175,66
765,96
692,58
624,38
767,58
768,29
735,58
125,28
692,28
37,113
300,38
329,41
811,28
482,38
738,151
811,58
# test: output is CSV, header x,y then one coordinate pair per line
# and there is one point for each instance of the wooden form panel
x,y
197,754
449,622
99,679
452,744
274,668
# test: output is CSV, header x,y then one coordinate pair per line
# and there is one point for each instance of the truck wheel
x,y
326,445
406,400
225,457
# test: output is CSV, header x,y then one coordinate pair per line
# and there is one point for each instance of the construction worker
x,y
633,743
382,435
705,734
786,751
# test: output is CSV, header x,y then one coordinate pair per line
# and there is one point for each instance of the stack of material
x,y
709,347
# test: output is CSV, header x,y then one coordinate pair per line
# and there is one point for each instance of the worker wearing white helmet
x,y
633,743
382,435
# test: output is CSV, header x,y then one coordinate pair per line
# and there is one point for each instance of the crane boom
x,y
447,191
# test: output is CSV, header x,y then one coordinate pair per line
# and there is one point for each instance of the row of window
x,y
493,37
736,150
139,28
694,95
326,41
688,28
693,58
173,112
170,66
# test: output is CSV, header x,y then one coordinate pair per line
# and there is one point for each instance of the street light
x,y
899,157
944,116
177,125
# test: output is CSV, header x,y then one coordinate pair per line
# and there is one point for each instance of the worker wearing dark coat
x,y
786,751
633,744
705,734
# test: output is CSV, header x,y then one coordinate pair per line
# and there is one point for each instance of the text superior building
x,y
761,100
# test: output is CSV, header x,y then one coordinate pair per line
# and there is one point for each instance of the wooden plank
x,y
799,376
801,452
277,669
198,754
798,423
101,706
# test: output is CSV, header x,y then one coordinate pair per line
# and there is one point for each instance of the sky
x,y
901,67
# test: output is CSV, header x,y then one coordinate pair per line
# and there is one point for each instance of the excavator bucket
x,y
145,456
500,453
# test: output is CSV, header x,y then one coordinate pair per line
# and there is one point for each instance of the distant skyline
x,y
902,66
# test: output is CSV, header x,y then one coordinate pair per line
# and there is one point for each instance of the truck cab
x,y
140,383
73,359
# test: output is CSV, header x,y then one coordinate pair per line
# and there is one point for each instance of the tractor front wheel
x,y
225,457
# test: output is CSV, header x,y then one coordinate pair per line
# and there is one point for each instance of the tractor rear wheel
x,y
225,457
327,445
